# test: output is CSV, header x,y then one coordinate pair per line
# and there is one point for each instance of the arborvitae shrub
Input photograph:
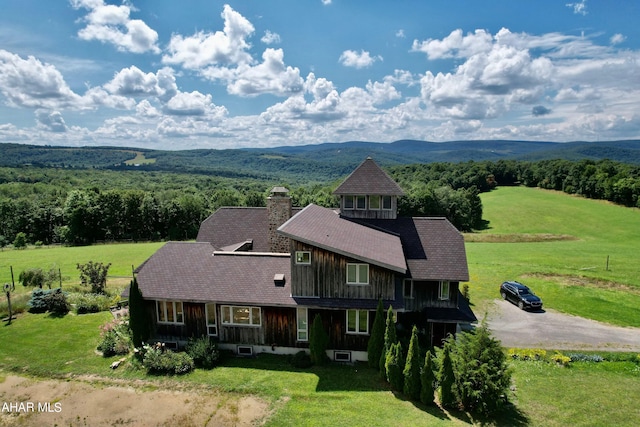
x,y
375,346
411,370
394,365
427,380
482,375
138,319
390,338
318,341
446,377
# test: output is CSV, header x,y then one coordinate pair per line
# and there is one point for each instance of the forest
x,y
44,205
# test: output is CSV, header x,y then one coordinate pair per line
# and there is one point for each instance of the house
x,y
256,277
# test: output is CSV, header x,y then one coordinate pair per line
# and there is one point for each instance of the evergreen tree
x,y
427,380
138,320
393,366
318,341
390,338
482,376
411,370
446,376
375,346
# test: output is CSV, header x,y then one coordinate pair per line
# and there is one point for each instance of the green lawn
x,y
570,275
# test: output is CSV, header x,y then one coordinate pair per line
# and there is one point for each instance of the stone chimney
x,y
278,211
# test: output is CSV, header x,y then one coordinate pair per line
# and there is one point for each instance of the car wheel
x,y
521,305
504,295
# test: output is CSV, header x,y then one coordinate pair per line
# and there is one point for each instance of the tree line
x,y
46,205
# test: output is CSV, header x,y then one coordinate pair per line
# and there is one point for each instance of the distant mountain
x,y
321,162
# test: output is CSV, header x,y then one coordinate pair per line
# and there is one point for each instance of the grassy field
x,y
563,255
556,243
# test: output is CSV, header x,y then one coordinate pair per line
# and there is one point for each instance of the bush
x,y
32,277
318,342
116,339
138,318
411,371
482,377
390,338
579,357
301,360
375,346
561,359
527,354
54,301
94,274
203,351
427,380
20,242
57,303
157,360
394,365
89,303
446,376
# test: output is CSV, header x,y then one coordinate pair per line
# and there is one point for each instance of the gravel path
x,y
550,329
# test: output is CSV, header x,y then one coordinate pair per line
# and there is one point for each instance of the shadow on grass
x,y
360,377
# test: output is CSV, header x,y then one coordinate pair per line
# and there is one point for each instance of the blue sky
x,y
209,74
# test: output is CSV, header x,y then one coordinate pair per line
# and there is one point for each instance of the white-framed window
x,y
443,290
303,257
386,203
241,315
170,312
357,274
349,202
361,202
407,291
212,323
358,322
303,324
374,202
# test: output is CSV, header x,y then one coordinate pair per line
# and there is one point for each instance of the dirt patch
x,y
102,403
516,238
569,280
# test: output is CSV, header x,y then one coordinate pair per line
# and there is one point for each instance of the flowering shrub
x,y
527,354
561,359
89,303
116,338
203,351
158,360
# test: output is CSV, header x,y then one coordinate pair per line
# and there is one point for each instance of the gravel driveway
x,y
550,329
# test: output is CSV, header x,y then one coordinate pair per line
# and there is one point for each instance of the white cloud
x,y
270,38
50,120
455,45
617,38
271,76
133,82
112,24
579,8
326,2
227,47
351,58
30,83
400,34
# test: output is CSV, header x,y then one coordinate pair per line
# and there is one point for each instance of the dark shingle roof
x,y
325,229
368,178
433,247
232,226
188,271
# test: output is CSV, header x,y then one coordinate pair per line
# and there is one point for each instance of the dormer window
x,y
386,203
374,202
348,202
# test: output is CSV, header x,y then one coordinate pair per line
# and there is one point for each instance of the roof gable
x,y
369,178
325,229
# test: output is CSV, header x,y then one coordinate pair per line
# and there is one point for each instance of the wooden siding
x,y
326,277
334,323
425,294
278,326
